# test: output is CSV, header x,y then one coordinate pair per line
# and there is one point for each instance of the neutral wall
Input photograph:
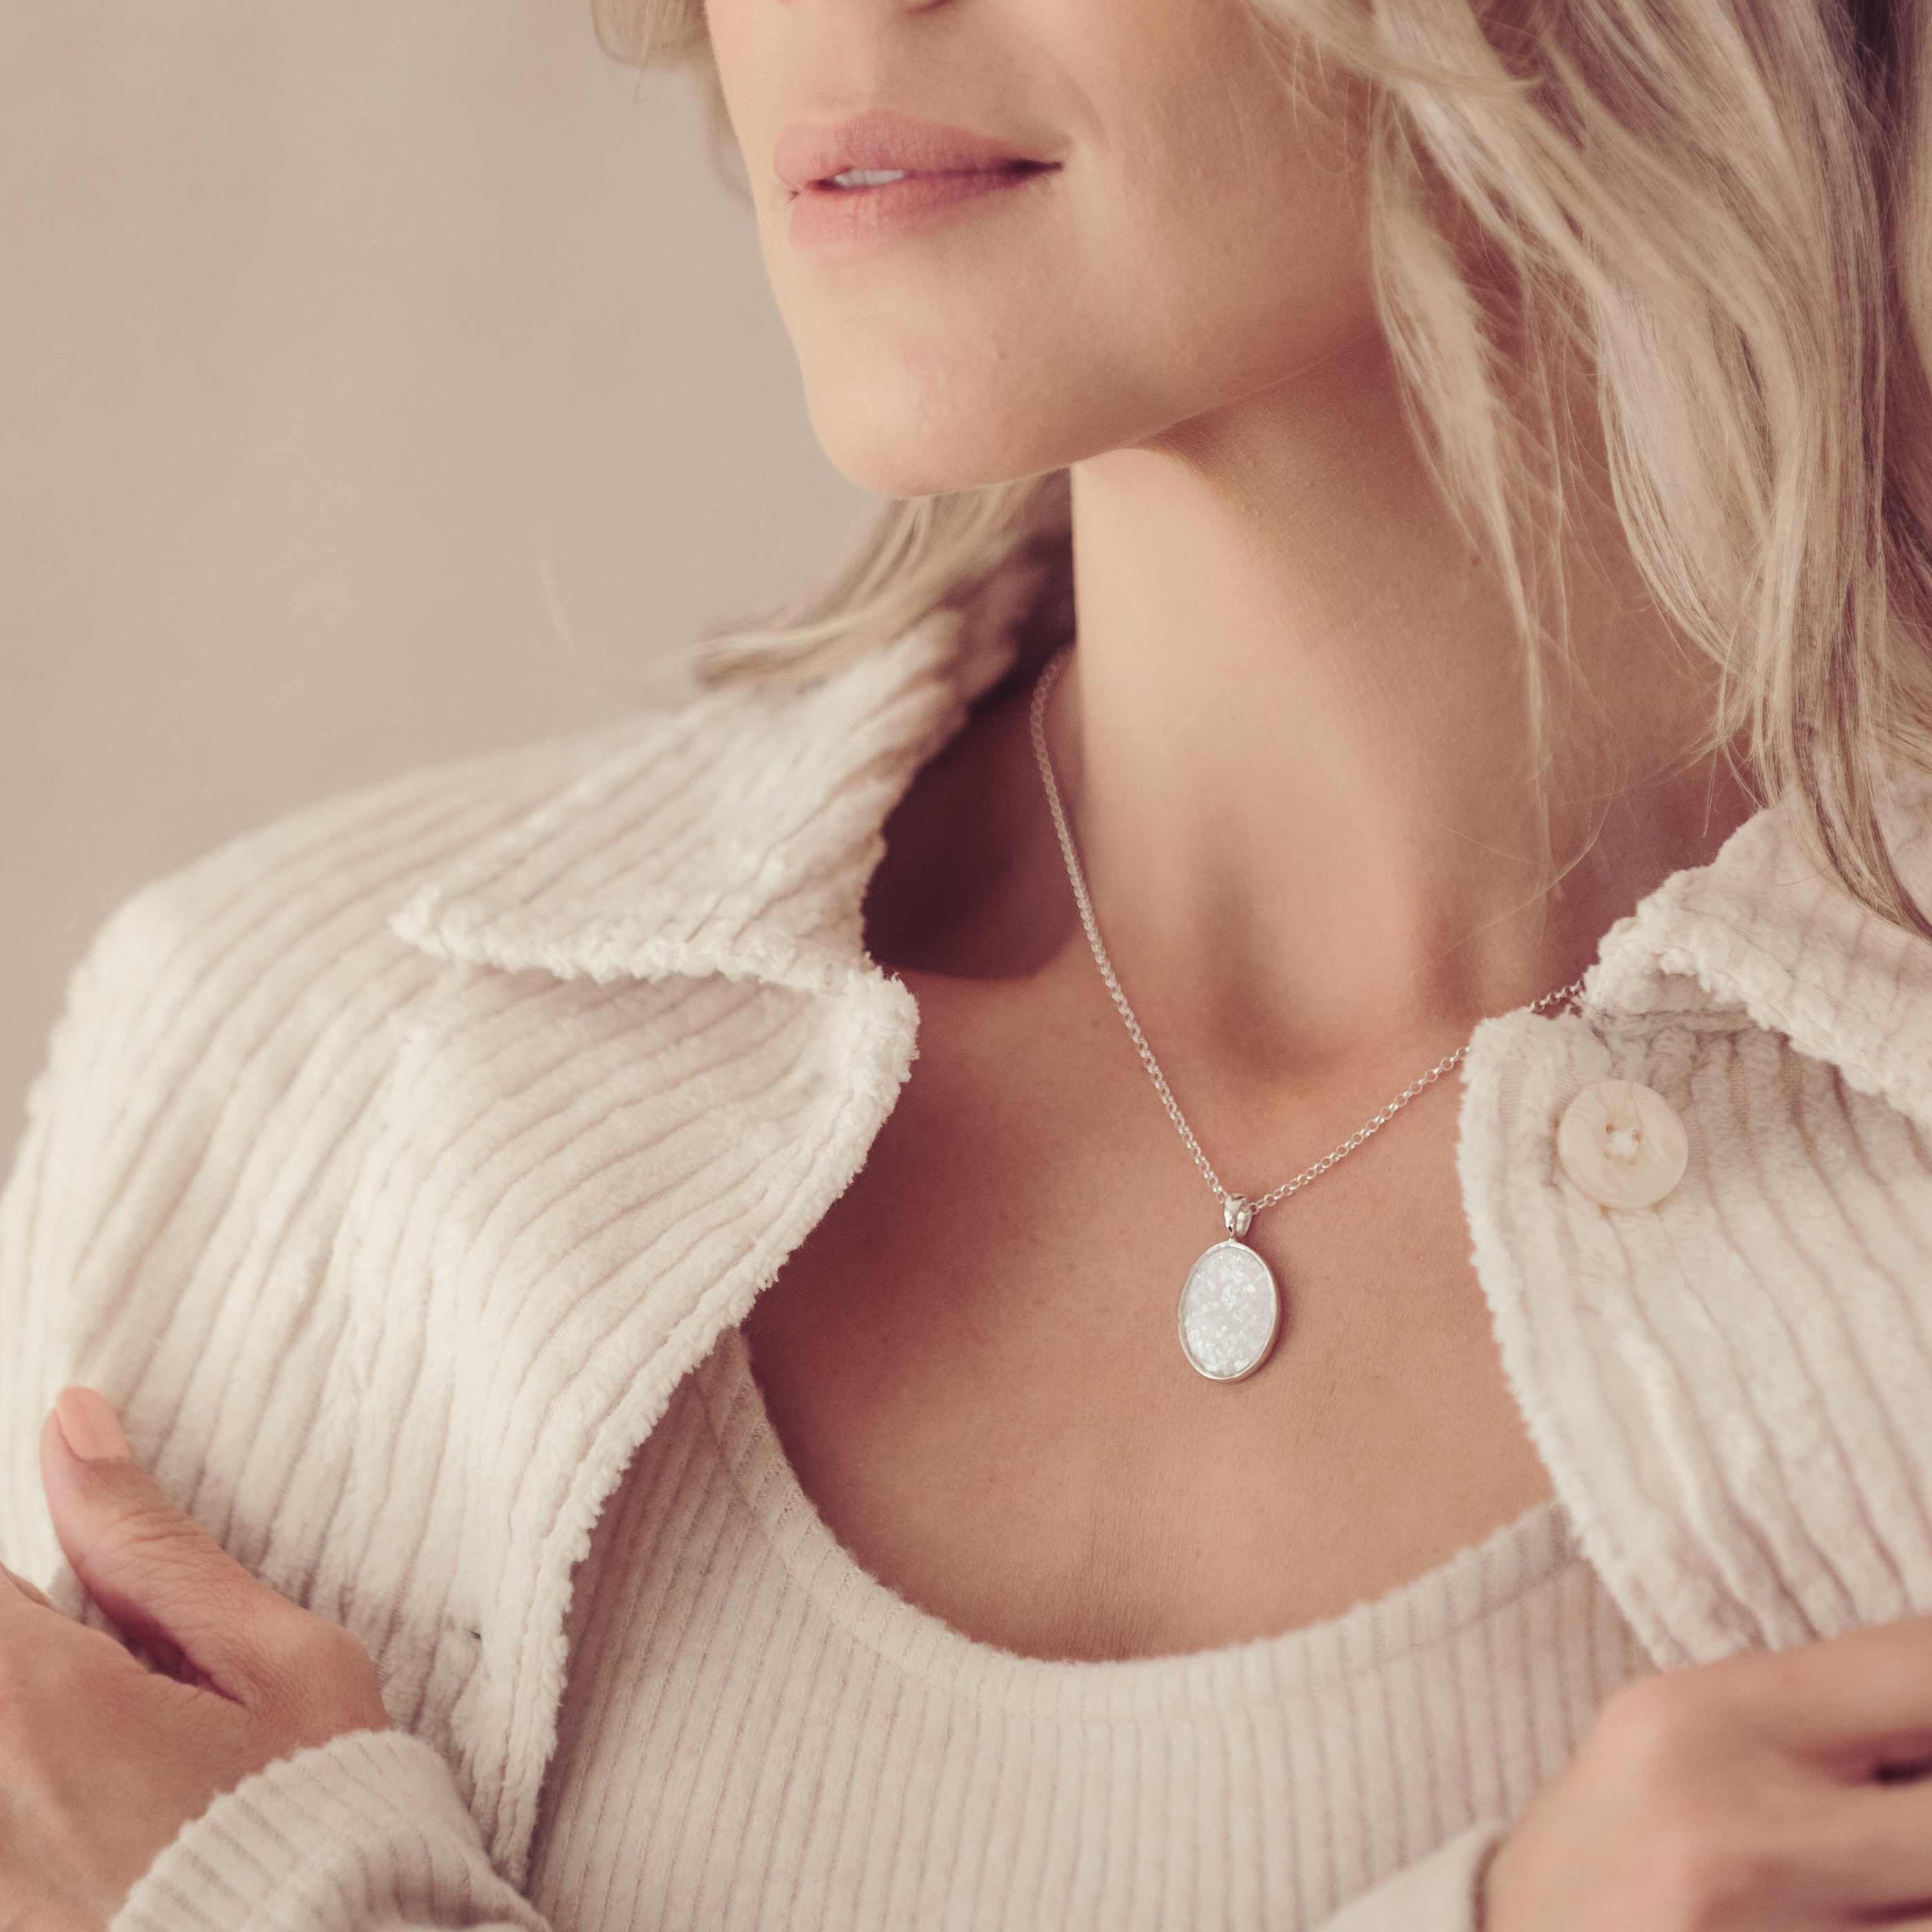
x,y
377,383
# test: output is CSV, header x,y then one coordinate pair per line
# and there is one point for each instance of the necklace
x,y
1230,1308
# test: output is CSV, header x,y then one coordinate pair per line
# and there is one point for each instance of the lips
x,y
807,155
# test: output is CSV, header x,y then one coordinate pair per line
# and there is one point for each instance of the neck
x,y
1294,741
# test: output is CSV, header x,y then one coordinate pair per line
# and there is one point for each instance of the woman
x,y
611,1441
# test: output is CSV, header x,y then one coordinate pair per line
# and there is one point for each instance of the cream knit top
x,y
400,1169
758,1733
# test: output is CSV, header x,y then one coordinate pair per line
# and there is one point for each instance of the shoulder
x,y
215,977
214,972
332,871
205,1093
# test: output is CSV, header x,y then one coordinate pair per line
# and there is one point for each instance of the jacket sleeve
x,y
368,1833
55,1198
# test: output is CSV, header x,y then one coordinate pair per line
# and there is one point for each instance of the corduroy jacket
x,y
391,1164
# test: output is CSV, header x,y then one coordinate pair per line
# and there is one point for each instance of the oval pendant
x,y
1229,1311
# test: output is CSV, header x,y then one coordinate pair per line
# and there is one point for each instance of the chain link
x,y
1043,685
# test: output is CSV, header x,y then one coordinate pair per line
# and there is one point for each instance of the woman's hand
x,y
103,1760
1783,1791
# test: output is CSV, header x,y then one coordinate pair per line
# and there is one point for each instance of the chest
x,y
972,1364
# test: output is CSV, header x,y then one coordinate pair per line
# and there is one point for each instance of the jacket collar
x,y
752,862
757,868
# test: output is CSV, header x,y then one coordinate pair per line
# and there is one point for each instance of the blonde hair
x,y
1723,208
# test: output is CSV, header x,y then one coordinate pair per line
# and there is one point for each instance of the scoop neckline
x,y
1471,1585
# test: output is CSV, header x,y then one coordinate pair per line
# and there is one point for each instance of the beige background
x,y
377,383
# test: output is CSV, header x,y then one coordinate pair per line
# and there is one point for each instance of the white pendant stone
x,y
1230,1311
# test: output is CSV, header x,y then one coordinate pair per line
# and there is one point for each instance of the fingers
x,y
1869,1850
158,1655
12,1586
1854,1703
155,1571
165,1660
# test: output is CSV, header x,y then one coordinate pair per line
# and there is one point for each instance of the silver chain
x,y
1238,1206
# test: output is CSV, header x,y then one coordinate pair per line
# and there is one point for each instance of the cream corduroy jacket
x,y
392,1163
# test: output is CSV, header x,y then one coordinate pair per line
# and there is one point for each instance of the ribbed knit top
x,y
756,1732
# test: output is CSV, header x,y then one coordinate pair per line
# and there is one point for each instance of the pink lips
x,y
807,153
945,169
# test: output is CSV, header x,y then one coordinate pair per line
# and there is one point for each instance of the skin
x,y
110,1743
1291,736
1290,743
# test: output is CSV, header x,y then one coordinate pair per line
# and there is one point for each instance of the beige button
x,y
1622,1144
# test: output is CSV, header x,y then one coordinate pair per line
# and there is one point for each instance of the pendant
x,y
1230,1309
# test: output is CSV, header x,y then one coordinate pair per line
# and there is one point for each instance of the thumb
x,y
155,1571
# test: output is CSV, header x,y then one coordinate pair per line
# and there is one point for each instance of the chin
x,y
915,448
929,466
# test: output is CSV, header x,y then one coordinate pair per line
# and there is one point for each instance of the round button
x,y
1622,1144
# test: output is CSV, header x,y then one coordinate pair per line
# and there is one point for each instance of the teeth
x,y
868,177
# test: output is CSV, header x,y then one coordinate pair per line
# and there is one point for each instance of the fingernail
x,y
88,1420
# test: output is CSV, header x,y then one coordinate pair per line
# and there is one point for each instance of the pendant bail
x,y
1237,1211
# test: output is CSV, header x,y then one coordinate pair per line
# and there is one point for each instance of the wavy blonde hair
x,y
1721,206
